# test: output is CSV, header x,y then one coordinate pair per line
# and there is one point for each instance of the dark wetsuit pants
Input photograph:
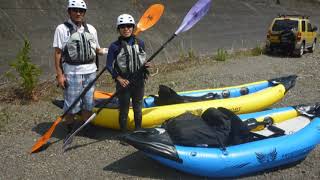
x,y
134,92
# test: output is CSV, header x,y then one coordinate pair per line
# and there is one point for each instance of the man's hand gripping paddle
x,y
194,15
149,18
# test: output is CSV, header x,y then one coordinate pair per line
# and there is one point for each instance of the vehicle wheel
x,y
313,47
301,50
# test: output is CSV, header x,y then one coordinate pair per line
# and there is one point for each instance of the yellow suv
x,y
293,34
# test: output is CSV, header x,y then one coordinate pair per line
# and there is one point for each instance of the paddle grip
x,y
97,62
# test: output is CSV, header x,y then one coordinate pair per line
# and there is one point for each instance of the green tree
x,y
28,72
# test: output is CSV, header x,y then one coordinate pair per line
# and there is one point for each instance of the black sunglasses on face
x,y
76,10
125,26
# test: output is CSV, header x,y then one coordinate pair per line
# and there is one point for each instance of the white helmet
x,y
125,19
77,4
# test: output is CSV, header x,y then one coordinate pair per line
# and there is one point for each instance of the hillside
x,y
230,24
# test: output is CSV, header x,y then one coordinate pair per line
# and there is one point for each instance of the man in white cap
x,y
76,46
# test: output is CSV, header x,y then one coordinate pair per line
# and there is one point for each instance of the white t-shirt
x,y
61,37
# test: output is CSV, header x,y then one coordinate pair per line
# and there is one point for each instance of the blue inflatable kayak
x,y
300,124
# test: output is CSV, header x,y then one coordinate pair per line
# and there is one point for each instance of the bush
x,y
28,73
257,51
188,56
221,55
4,116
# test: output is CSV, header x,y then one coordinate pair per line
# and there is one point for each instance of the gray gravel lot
x,y
96,152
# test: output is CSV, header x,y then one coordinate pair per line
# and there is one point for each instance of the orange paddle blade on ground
x,y
46,136
149,18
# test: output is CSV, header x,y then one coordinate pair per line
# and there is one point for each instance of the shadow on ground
x,y
137,164
90,131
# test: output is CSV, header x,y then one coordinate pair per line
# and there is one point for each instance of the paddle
x,y
193,16
101,95
149,18
153,16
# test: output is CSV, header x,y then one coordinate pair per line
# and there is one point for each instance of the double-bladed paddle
x,y
194,15
149,18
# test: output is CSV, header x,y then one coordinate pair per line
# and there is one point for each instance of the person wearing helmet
x,y
73,74
126,56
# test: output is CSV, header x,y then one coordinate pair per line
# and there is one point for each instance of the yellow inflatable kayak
x,y
240,99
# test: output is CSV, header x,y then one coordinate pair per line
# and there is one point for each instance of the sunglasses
x,y
122,26
78,10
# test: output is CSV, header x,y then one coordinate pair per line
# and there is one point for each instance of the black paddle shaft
x,y
163,46
97,62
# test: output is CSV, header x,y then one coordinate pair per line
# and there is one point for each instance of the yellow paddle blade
x,y
149,18
46,136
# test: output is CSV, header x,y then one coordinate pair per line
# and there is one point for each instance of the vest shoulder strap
x,y
70,27
86,29
125,48
139,42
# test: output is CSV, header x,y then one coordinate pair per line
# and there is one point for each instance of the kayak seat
x,y
167,96
240,133
191,130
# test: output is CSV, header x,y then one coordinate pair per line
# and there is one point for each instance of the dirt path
x,y
96,154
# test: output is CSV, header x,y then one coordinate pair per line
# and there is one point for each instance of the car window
x,y
287,24
303,26
309,27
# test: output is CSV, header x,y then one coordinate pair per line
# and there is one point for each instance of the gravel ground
x,y
96,152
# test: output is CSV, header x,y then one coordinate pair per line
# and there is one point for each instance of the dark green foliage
x,y
190,55
257,51
4,116
221,55
28,73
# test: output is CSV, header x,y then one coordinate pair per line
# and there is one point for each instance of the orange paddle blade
x,y
101,95
149,18
46,136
